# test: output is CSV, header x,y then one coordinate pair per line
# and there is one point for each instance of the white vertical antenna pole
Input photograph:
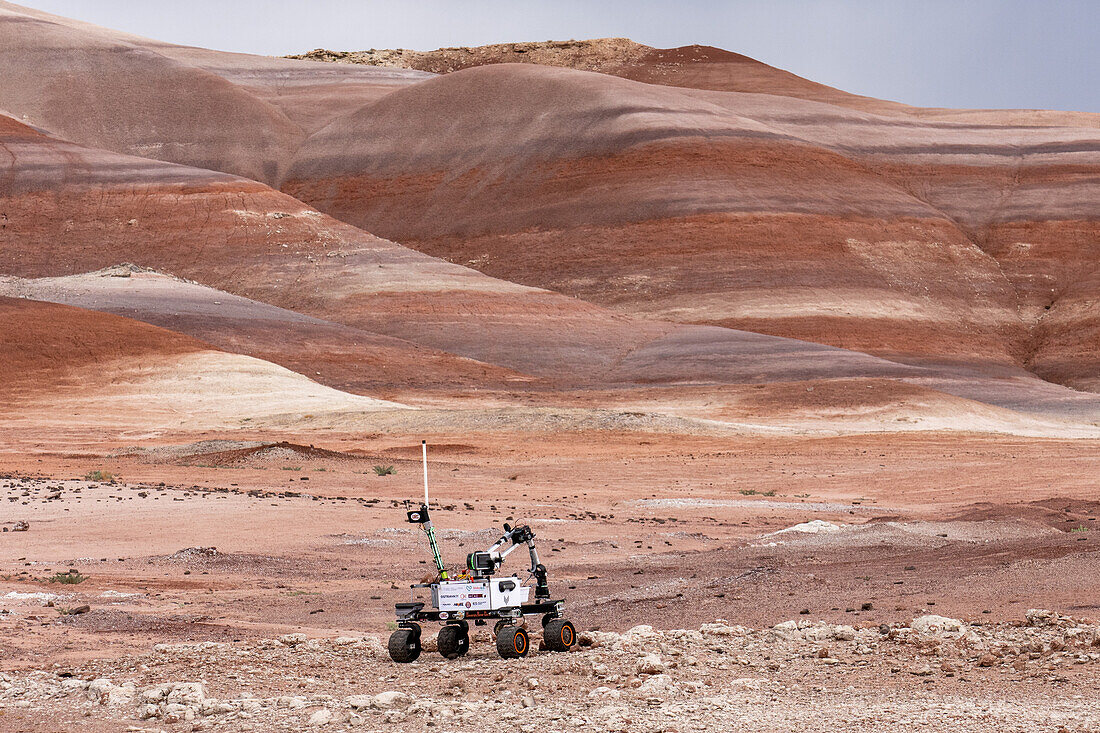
x,y
424,449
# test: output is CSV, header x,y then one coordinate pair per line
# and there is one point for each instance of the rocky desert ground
x,y
797,389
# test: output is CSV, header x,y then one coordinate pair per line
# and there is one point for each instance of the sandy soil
x,y
672,532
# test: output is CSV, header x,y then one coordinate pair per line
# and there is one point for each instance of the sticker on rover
x,y
462,595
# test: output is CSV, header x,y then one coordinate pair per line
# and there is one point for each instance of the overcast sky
x,y
950,53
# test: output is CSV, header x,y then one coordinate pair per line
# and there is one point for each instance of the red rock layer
x,y
42,344
658,204
72,210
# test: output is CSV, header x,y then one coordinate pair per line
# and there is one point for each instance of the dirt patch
x,y
1064,514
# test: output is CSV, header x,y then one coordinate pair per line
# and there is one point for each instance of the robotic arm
x,y
486,563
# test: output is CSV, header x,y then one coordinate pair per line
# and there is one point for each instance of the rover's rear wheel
x,y
559,635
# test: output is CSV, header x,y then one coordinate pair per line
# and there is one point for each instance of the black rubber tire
x,y
513,642
559,635
453,641
404,645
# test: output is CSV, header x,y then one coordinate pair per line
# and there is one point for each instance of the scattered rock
x,y
358,702
105,692
390,699
323,716
649,664
720,628
844,633
293,639
1040,617
935,625
194,552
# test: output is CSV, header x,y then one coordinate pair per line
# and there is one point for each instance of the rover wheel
x,y
453,641
513,642
559,635
404,645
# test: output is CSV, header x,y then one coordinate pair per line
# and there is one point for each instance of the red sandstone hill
x,y
1011,191
935,243
276,269
753,211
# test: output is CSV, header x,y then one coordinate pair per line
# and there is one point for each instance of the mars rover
x,y
479,595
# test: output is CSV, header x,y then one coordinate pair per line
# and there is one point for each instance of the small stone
x,y
987,660
323,716
21,526
844,633
649,664
106,692
1040,617
186,693
934,625
390,699
293,639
